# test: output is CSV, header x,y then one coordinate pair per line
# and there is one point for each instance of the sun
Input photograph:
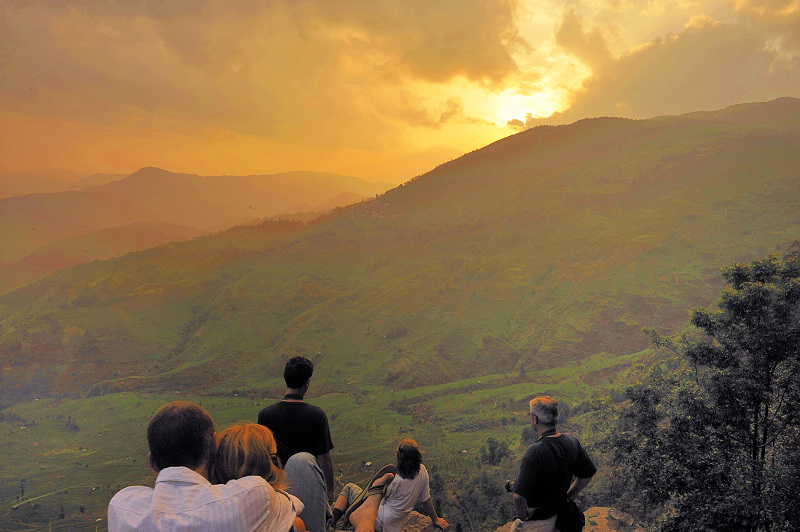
x,y
510,105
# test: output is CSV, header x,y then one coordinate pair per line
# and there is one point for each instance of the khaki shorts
x,y
545,525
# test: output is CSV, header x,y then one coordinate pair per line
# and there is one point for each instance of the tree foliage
x,y
495,452
711,443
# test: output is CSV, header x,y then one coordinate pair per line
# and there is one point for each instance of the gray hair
x,y
545,409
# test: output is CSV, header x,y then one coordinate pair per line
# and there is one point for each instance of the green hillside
x,y
547,247
435,310
98,245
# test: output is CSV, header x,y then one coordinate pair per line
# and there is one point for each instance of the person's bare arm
x,y
431,511
577,485
326,464
521,506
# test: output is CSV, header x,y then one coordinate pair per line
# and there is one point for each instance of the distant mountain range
x,y
48,180
48,210
552,246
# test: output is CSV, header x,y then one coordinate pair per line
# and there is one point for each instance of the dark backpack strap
x,y
570,517
556,450
559,455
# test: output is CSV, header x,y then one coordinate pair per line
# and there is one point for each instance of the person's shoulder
x,y
310,409
269,409
423,474
248,482
569,439
536,447
317,409
423,470
133,491
251,484
249,493
132,495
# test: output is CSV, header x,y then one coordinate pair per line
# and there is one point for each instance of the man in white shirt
x,y
182,441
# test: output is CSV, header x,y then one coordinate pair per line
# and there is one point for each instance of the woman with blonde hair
x,y
250,449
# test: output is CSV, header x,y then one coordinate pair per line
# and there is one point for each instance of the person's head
x,y
408,458
297,372
247,449
544,411
180,434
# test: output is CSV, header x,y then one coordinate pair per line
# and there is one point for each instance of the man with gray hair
x,y
545,480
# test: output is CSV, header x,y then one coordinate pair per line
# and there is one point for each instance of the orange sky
x,y
377,89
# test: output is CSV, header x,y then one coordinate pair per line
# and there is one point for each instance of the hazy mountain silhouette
x,y
151,195
554,245
37,181
97,180
99,245
778,114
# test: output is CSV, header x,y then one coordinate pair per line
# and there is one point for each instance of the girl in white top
x,y
410,486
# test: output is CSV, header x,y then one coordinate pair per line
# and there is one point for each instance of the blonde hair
x,y
247,449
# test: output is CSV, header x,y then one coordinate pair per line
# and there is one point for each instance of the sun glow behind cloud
x,y
382,90
510,105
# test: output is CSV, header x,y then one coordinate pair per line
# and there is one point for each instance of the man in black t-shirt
x,y
298,427
545,478
304,441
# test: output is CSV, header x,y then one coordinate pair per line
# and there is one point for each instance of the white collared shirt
x,y
184,500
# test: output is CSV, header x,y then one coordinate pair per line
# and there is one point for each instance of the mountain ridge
x,y
152,195
49,180
555,245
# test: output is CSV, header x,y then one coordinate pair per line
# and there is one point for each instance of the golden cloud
x,y
707,65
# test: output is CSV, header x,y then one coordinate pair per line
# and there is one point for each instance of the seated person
x,y
250,449
182,443
363,517
410,486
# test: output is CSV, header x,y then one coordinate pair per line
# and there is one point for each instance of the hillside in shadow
x,y
99,217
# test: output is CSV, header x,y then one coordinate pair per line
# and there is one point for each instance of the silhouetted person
x,y
545,479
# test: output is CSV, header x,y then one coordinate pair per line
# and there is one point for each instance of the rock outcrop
x,y
416,522
598,519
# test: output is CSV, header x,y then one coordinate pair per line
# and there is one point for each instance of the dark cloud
x,y
436,41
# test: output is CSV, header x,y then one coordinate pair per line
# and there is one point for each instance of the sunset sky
x,y
377,89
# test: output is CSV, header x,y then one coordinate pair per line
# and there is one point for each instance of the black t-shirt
x,y
543,481
298,427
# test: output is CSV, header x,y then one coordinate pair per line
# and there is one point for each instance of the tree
x,y
712,444
495,453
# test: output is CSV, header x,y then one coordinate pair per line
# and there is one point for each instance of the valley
x,y
434,310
